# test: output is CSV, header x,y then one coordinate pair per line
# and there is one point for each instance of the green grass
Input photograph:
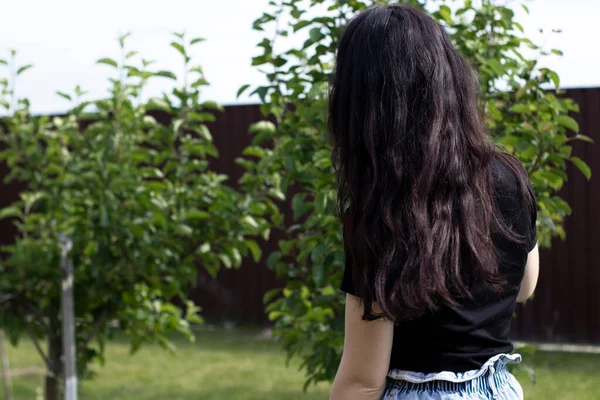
x,y
238,365
564,376
220,365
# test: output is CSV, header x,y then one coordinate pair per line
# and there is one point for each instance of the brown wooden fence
x,y
236,295
566,307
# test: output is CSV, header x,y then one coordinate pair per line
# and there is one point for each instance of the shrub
x,y
137,198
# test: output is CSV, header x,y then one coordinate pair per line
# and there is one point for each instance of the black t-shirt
x,y
463,338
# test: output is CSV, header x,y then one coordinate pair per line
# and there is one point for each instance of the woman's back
x,y
438,225
461,338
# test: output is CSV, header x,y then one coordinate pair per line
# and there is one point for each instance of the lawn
x,y
234,364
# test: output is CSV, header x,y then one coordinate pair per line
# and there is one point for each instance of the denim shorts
x,y
491,381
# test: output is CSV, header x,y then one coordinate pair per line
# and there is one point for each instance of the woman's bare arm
x,y
532,271
366,357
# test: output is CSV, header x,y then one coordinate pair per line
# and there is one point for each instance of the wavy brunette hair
x,y
412,158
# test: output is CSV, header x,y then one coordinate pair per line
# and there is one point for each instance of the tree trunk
x,y
53,376
52,388
8,393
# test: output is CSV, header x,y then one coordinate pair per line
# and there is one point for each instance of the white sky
x,y
64,38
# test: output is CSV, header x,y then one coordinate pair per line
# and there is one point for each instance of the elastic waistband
x,y
494,365
487,383
488,379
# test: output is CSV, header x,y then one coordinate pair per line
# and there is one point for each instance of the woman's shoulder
x,y
508,174
512,190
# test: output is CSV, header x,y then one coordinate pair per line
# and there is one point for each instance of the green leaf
x,y
554,77
259,60
196,40
212,105
122,39
200,82
258,23
553,179
273,315
198,69
197,214
262,92
319,252
316,34
254,249
557,52
262,127
79,91
298,205
149,120
496,66
520,108
107,61
204,248
568,123
279,62
184,230
254,151
242,90
179,48
30,199
320,202
159,103
64,95
249,221
177,125
461,11
584,138
270,294
525,8
237,257
131,54
519,26
446,14
10,212
225,260
307,383
146,63
273,259
318,274
301,24
202,116
166,74
203,132
3,62
24,68
582,166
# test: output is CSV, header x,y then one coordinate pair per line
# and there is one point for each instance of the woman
x,y
439,227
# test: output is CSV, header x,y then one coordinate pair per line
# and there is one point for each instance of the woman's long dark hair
x,y
412,157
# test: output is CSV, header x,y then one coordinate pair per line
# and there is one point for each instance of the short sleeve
x,y
515,199
347,285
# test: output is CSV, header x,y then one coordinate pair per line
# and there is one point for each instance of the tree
x,y
138,200
524,110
